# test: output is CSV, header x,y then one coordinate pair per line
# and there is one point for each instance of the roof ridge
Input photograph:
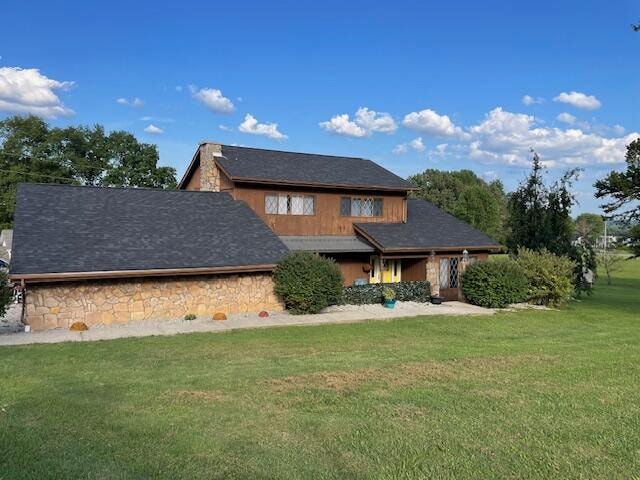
x,y
296,153
104,187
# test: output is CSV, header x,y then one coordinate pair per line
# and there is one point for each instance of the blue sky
x,y
411,85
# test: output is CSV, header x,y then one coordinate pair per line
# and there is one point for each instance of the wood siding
x,y
351,265
193,183
414,269
327,219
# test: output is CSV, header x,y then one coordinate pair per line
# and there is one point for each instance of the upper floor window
x,y
361,207
289,204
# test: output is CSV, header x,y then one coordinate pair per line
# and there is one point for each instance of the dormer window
x,y
289,204
361,207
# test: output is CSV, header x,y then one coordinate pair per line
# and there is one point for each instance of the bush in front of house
x,y
550,276
495,284
5,293
308,282
411,291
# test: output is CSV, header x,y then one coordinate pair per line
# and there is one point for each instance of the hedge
x,y
495,284
308,282
550,276
415,291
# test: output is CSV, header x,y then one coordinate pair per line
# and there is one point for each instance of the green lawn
x,y
552,394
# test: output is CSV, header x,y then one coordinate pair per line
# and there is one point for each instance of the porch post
x,y
433,273
462,266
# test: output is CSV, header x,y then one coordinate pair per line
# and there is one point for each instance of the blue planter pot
x,y
389,303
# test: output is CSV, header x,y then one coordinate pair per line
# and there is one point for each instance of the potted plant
x,y
389,296
436,300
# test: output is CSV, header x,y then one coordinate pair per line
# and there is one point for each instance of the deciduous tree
x,y
589,226
445,190
31,151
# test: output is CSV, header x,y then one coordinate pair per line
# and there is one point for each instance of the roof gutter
x,y
157,272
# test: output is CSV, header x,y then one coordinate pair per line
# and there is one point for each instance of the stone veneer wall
x,y
209,173
95,302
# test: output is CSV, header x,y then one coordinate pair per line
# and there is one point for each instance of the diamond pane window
x,y
444,273
297,205
283,204
345,206
377,207
271,204
453,272
356,207
367,207
309,207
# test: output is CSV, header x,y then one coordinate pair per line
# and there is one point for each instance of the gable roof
x,y
427,228
62,229
306,169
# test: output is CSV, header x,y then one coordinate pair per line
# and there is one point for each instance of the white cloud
x,y
415,144
364,123
135,102
341,125
251,125
489,175
400,149
506,137
441,148
579,100
618,129
529,100
566,118
28,91
151,128
373,121
213,99
431,123
150,118
224,128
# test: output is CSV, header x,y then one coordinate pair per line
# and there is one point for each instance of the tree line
x,y
32,151
536,215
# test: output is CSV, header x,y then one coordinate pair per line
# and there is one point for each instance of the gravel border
x,y
332,315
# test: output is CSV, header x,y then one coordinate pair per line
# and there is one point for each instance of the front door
x,y
449,278
385,270
390,270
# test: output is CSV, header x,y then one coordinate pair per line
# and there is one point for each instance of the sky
x,y
410,85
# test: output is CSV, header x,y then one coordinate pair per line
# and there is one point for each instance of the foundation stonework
x,y
103,302
433,274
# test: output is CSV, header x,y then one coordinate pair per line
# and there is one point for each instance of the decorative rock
x,y
219,316
78,327
263,314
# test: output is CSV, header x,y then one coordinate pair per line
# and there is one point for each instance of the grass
x,y
536,394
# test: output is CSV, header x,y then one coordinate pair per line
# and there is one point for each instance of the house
x,y
103,255
350,209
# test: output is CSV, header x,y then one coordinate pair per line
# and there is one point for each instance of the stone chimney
x,y
209,172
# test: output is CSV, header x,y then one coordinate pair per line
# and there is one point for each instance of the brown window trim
x,y
290,194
